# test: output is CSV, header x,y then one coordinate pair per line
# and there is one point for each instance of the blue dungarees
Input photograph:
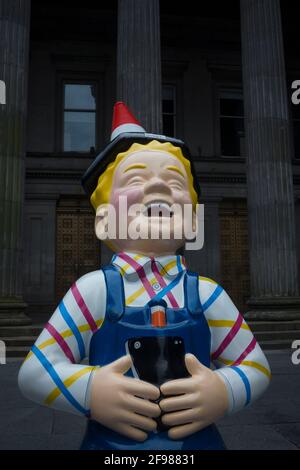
x,y
108,344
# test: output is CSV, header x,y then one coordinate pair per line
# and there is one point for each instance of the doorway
x,y
77,247
235,271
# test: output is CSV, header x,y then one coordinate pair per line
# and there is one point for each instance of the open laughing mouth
x,y
158,209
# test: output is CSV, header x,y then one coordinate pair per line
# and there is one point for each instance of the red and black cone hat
x,y
126,130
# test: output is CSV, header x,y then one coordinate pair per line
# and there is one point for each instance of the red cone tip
x,y
124,121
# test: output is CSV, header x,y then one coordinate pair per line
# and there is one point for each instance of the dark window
x,y
79,117
232,124
169,110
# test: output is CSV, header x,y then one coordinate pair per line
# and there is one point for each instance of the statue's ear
x,y
101,221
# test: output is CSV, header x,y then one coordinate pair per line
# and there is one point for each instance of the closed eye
x,y
175,184
135,180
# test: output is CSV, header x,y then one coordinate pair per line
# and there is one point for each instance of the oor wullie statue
x,y
145,301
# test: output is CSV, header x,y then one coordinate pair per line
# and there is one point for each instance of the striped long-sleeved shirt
x,y
53,373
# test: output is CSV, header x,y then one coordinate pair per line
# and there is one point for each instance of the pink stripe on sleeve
x,y
83,307
60,341
228,338
247,351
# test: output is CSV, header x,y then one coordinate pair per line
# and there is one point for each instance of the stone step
x,y
275,344
19,341
15,331
274,325
277,335
17,351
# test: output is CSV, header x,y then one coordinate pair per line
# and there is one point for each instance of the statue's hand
x,y
195,402
123,403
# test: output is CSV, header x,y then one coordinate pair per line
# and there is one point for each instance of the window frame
x,y
173,74
235,89
78,79
172,85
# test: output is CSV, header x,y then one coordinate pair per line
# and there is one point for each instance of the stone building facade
x,y
216,75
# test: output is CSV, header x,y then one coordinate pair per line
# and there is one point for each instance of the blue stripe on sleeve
x,y
218,290
57,380
70,322
246,383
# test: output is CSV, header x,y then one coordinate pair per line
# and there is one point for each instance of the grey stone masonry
x,y
139,61
273,260
14,49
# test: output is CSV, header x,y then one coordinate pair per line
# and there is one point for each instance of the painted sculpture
x,y
168,352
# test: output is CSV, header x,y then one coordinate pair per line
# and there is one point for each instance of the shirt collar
x,y
132,263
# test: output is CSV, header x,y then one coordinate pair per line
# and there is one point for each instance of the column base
x,y
275,308
12,313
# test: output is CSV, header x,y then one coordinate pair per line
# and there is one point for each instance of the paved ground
x,y
273,422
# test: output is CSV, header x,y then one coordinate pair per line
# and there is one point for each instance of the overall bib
x,y
109,344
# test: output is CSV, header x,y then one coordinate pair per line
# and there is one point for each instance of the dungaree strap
x,y
115,301
191,293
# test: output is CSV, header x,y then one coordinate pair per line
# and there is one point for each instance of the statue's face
x,y
156,180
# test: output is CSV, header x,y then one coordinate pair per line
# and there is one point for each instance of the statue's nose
x,y
157,184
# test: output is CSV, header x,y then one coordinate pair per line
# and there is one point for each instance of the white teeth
x,y
159,208
158,205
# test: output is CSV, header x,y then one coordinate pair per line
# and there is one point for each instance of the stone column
x,y
14,47
139,61
271,212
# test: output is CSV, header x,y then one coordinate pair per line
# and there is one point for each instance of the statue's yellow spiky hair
x,y
101,195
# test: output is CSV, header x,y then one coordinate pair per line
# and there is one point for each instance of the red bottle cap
x,y
158,316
